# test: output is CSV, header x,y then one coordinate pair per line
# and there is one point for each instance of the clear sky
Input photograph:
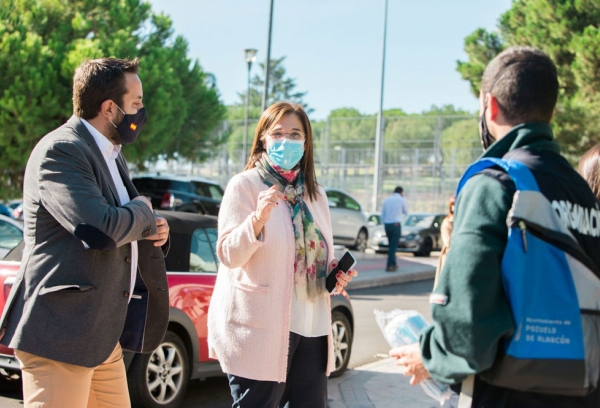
x,y
334,47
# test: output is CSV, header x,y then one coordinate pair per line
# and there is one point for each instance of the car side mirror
x,y
332,204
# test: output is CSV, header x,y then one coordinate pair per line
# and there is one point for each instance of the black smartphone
x,y
346,263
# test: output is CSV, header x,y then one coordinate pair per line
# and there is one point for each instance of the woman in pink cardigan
x,y
269,321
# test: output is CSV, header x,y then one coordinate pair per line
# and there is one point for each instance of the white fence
x,y
426,155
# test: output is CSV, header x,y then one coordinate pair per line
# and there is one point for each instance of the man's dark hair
x,y
524,82
398,190
98,80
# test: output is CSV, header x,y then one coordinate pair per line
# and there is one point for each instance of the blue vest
x,y
554,294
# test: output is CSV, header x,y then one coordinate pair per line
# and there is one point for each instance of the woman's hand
x,y
267,200
410,357
343,279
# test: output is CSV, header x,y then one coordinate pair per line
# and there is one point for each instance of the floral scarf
x,y
311,259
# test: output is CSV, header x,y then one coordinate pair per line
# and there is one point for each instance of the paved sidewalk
x,y
380,384
372,273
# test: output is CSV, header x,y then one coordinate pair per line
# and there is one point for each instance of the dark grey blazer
x,y
69,303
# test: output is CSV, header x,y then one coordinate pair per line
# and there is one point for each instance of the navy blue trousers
x,y
306,384
393,235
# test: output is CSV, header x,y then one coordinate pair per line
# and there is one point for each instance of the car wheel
x,y
10,381
361,241
160,379
341,330
425,248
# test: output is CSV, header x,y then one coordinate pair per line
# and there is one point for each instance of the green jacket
x,y
466,332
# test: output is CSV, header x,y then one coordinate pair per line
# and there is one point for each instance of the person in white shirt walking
x,y
393,211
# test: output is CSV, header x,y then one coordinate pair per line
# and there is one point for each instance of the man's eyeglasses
x,y
295,135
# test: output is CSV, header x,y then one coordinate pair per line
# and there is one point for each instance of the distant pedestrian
x,y
446,233
269,321
589,168
393,211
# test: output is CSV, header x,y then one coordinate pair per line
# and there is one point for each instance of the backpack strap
x,y
518,172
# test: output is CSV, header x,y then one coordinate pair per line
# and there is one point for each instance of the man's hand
x,y
410,357
143,200
163,231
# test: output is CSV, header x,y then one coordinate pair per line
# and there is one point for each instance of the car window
x,y
216,193
201,189
420,221
335,197
201,253
351,203
212,239
10,236
146,184
375,219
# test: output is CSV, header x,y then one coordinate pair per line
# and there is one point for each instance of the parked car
x,y
160,379
6,211
348,221
16,208
374,219
420,235
374,225
11,234
197,195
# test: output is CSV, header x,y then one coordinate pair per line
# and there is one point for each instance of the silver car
x,y
348,221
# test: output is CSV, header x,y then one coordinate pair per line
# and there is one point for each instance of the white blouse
x,y
310,319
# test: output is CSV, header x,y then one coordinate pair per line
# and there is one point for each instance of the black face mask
x,y
486,137
131,125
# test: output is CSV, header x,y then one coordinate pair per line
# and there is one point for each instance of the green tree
x,y
568,31
43,41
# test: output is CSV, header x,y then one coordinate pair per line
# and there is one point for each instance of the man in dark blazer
x,y
92,280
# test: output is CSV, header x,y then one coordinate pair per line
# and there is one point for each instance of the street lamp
x,y
250,56
379,135
265,97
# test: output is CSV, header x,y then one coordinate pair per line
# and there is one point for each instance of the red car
x,y
160,379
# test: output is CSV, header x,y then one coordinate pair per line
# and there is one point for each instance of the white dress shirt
x,y
110,153
310,319
393,209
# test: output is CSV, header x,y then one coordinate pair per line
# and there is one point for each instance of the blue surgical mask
x,y
285,153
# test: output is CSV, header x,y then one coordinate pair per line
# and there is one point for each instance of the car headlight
x,y
380,234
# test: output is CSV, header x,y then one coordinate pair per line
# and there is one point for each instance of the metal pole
x,y
344,168
268,64
245,157
379,135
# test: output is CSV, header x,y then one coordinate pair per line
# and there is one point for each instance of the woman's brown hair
x,y
589,168
269,118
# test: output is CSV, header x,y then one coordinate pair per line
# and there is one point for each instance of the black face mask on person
x,y
486,137
131,125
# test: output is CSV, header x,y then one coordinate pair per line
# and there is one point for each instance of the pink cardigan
x,y
249,314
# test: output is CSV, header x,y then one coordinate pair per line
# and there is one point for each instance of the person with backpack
x,y
526,237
